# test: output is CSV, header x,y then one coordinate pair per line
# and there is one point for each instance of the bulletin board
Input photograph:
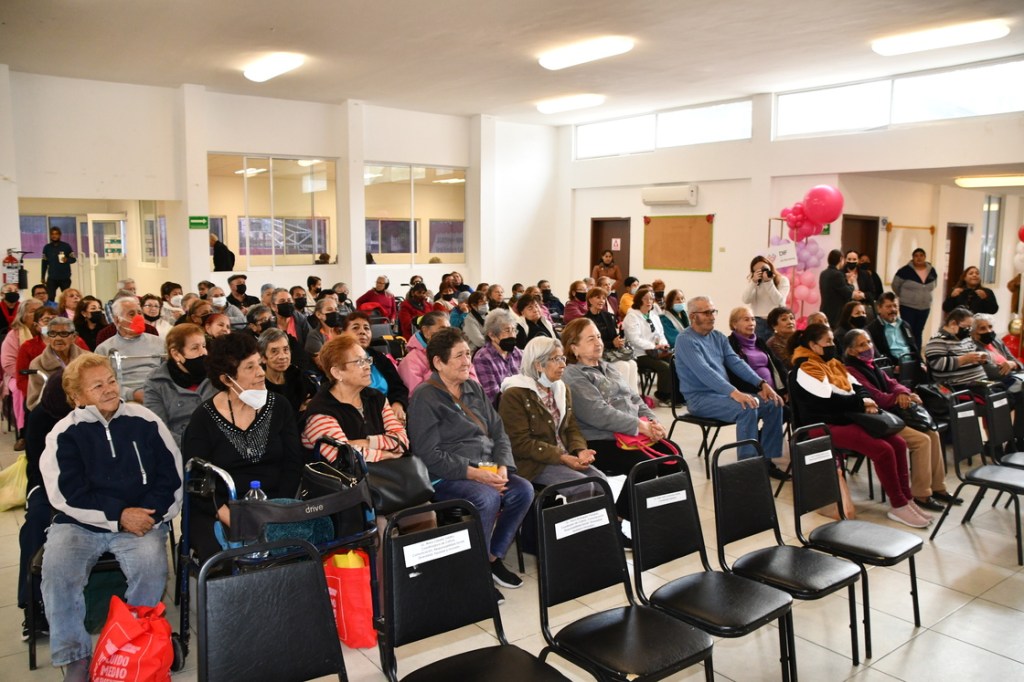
x,y
901,240
679,242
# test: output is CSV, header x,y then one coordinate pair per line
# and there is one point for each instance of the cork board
x,y
678,242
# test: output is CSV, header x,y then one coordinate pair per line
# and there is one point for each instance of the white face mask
x,y
176,301
254,398
544,381
219,301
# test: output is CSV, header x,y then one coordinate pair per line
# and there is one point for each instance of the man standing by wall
x,y
57,259
223,257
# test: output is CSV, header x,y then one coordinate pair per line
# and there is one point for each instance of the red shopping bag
x,y
134,646
348,581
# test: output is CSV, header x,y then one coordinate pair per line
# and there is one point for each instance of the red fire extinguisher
x,y
10,268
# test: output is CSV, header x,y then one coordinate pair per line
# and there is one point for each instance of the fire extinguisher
x,y
11,269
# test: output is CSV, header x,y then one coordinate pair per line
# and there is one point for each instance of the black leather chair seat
x,y
997,476
620,639
691,418
1014,459
802,573
725,605
867,542
495,663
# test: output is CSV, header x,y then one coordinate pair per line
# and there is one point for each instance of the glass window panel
x,y
991,89
992,216
608,138
850,107
34,229
731,121
446,236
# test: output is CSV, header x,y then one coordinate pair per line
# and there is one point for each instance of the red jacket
x,y
383,299
407,313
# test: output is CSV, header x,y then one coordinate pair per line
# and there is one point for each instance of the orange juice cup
x,y
488,466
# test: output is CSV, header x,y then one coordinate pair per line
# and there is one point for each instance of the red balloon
x,y
1020,233
786,211
791,220
823,204
798,209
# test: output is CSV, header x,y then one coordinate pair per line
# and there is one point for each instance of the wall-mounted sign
x,y
616,244
199,222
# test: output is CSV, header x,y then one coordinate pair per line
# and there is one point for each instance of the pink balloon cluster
x,y
822,204
806,288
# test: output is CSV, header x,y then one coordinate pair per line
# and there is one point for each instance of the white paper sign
x,y
816,457
781,256
616,244
999,403
965,415
667,498
578,524
428,550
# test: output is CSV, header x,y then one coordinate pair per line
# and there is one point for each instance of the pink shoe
x,y
920,512
907,516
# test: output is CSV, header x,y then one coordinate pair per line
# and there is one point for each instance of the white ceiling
x,y
467,57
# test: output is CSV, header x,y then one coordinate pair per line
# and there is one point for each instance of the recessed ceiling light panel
x,y
570,103
586,51
273,65
947,36
991,181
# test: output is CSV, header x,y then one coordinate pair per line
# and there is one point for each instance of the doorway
x,y
100,249
613,234
956,244
860,234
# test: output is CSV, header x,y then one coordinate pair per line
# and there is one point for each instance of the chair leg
x,y
913,590
1016,516
784,649
974,505
866,600
855,654
519,549
945,513
778,488
709,669
791,640
30,621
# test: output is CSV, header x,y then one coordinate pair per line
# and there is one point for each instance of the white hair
x,y
695,302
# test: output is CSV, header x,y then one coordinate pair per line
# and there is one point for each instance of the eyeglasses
x,y
365,361
711,312
557,359
63,335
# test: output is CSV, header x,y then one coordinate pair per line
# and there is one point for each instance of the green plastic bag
x,y
13,484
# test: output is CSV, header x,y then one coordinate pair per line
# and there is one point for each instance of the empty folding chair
x,y
866,544
579,553
744,507
666,526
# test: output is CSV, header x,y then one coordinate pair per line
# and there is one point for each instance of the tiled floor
x,y
971,591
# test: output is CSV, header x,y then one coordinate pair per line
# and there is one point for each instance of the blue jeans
x,y
725,408
499,530
71,552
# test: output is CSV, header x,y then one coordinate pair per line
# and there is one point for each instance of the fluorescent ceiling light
x,y
249,172
450,181
991,181
273,65
586,51
306,163
948,36
570,103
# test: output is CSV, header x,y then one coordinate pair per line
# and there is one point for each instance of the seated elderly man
x,y
219,300
144,352
892,336
113,476
702,362
952,355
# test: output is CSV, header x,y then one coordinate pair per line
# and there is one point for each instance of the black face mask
x,y
12,297
300,303
659,295
545,294
447,297
196,368
987,337
342,298
151,318
507,345
285,309
333,319
241,289
858,321
268,324
203,318
963,333
829,353
850,267
97,317
580,296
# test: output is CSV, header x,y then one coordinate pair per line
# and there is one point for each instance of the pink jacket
x,y
414,368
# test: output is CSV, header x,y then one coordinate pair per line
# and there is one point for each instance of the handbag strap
x,y
462,406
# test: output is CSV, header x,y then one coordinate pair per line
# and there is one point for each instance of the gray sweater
x,y
604,403
144,355
173,404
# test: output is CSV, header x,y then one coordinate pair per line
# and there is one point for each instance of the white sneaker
x,y
907,516
920,512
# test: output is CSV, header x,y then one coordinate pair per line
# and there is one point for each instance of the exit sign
x,y
199,222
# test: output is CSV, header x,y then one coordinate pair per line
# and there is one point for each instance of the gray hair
x,y
851,336
538,351
695,302
272,335
63,322
117,307
278,290
496,320
984,317
256,311
25,310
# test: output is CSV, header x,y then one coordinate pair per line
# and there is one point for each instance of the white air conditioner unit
x,y
664,195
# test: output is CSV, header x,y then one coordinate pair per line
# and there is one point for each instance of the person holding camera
x,y
767,289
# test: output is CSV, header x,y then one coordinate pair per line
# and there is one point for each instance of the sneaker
x,y
42,627
920,512
503,576
907,516
498,597
944,496
777,473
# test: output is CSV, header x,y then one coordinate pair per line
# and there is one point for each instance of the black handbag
x,y
934,397
917,418
399,483
880,425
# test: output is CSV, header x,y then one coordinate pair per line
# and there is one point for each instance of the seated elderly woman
x,y
216,325
178,386
384,374
783,322
822,391
532,321
642,328
113,476
61,349
616,353
454,429
927,468
283,376
605,405
325,323
1001,367
576,303
350,410
754,352
415,367
536,408
674,319
244,429
500,358
473,321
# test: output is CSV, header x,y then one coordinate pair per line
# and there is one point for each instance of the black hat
x,y
232,278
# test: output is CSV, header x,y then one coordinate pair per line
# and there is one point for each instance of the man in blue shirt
x,y
701,359
893,338
57,258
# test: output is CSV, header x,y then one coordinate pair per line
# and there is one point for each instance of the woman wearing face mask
x,y
854,316
325,324
384,374
532,322
198,311
499,358
178,386
766,289
536,409
153,314
576,303
822,391
67,302
969,293
244,429
21,332
473,322
89,320
674,319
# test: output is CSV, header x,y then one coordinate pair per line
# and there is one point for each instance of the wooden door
x,y
860,234
610,233
956,242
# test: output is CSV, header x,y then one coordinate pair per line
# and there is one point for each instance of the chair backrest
x,y
380,329
578,546
964,429
996,410
796,420
437,579
744,505
271,624
665,524
814,472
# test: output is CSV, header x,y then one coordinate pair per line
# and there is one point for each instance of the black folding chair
x,y
666,526
967,443
865,544
744,507
709,428
437,580
580,553
275,624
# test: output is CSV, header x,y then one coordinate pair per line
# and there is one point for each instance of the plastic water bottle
x,y
256,493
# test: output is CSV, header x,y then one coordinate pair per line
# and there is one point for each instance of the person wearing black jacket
x,y
894,338
969,293
223,257
860,280
835,288
57,259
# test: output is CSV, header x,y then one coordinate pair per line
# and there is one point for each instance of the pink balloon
x,y
823,204
798,209
800,292
791,220
809,279
813,297
815,228
801,323
785,212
